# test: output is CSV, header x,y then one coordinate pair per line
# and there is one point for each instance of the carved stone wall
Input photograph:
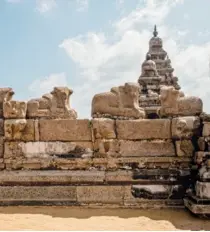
x,y
110,159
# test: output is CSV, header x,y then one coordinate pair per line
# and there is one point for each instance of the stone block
x,y
65,130
36,129
45,149
201,143
201,156
14,109
106,148
206,129
146,148
184,148
185,127
103,128
143,129
1,127
118,176
38,193
19,129
202,190
100,194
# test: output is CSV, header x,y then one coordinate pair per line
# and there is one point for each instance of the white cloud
x,y
46,84
44,6
104,63
13,1
82,5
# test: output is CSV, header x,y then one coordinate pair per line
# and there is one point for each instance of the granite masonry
x,y
147,145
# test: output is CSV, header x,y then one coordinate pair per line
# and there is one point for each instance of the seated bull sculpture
x,y
174,103
5,95
53,105
120,102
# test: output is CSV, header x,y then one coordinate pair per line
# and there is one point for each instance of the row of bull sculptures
x,y
121,102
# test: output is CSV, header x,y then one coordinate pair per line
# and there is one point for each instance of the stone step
x,y
56,177
159,191
198,209
91,196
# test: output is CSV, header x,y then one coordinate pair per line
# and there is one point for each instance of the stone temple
x,y
146,146
156,71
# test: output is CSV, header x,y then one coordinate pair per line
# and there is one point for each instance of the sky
x,y
93,45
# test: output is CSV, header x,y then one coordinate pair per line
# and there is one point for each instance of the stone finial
x,y
121,102
155,32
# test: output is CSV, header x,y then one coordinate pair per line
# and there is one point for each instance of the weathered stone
x,y
19,129
199,209
144,129
103,128
174,103
106,148
53,105
14,109
45,149
1,127
100,194
64,130
119,175
185,127
147,148
206,129
121,101
1,146
201,144
184,148
5,95
202,190
36,129
201,156
38,193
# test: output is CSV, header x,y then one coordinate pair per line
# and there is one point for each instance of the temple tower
x,y
156,71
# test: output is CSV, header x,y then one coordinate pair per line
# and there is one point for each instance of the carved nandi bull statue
x,y
122,101
174,103
53,105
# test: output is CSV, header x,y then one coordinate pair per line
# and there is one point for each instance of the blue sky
x,y
93,45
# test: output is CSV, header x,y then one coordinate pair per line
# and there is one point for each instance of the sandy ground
x,y
68,218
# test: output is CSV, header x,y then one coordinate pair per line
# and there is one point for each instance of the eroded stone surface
x,y
14,109
185,127
65,130
202,190
1,127
106,148
147,148
100,194
5,95
45,149
174,103
206,129
103,128
19,129
121,101
184,148
53,105
144,129
1,146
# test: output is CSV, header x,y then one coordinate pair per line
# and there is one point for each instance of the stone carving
x,y
14,109
5,95
185,127
173,103
14,128
53,105
149,68
121,102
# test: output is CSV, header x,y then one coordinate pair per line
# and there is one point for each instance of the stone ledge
x,y
198,209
